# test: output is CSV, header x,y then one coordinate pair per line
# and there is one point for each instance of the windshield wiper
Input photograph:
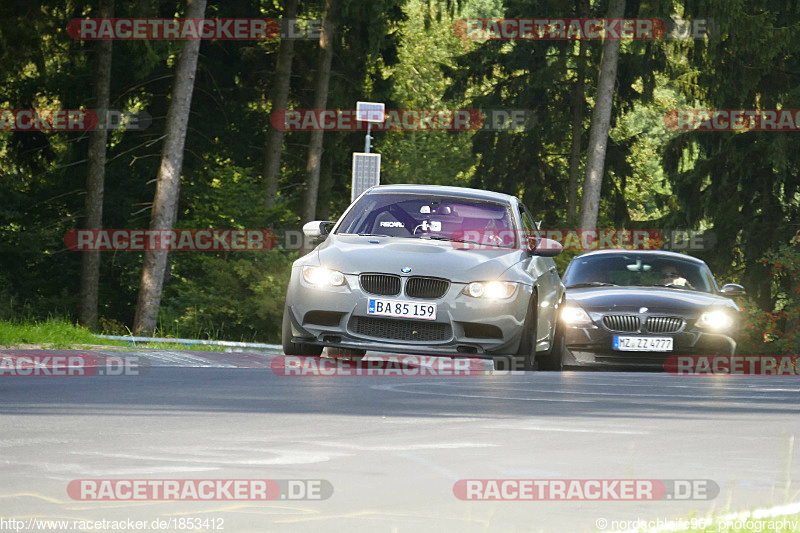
x,y
592,284
439,238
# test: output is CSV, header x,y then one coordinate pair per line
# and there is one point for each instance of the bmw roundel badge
x,y
405,270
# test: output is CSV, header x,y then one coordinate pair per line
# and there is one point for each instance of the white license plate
x,y
401,308
643,344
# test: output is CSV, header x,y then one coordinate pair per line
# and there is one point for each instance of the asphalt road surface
x,y
391,448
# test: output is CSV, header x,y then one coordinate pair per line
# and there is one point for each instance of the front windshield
x,y
638,270
431,216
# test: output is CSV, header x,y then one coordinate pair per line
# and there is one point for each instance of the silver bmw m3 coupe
x,y
428,270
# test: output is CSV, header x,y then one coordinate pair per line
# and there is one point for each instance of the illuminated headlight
x,y
575,316
323,277
715,320
496,290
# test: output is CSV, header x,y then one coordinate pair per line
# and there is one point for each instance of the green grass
x,y
53,332
736,523
176,346
60,334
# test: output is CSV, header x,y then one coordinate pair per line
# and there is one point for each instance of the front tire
x,y
295,348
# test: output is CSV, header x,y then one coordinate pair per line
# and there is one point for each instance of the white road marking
x,y
395,388
538,427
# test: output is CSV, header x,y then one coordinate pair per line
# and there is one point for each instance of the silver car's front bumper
x,y
337,316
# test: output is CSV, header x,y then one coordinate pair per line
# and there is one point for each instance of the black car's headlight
x,y
495,290
323,277
572,315
717,320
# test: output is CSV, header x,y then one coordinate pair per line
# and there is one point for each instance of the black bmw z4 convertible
x,y
631,308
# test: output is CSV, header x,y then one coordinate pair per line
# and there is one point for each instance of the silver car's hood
x,y
353,254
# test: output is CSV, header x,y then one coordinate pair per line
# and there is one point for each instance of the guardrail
x,y
272,348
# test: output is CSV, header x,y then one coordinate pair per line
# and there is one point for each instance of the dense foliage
x,y
743,185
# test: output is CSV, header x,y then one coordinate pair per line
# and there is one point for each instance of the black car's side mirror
x,y
545,247
732,289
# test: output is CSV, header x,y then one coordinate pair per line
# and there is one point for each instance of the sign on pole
x,y
370,111
366,173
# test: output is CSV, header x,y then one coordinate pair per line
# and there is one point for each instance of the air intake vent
x,y
428,288
401,330
380,284
626,323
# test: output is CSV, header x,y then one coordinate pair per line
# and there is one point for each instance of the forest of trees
x,y
599,154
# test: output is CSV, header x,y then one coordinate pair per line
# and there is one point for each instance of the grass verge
x,y
60,334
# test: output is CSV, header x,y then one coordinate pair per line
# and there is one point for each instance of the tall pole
x,y
367,144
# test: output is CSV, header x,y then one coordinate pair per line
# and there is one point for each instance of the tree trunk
x,y
95,179
601,119
168,181
279,96
320,101
578,103
325,190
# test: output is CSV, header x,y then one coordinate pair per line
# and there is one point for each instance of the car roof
x,y
662,253
444,190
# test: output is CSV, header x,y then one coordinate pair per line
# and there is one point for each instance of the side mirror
x,y
547,248
317,228
732,289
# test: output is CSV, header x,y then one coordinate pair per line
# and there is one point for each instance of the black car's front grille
x,y
401,330
664,324
430,288
626,323
381,284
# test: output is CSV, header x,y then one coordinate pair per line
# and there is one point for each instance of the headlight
x,y
323,277
575,316
715,320
496,290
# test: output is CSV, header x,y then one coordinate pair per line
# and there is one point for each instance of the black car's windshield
x,y
431,216
638,270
